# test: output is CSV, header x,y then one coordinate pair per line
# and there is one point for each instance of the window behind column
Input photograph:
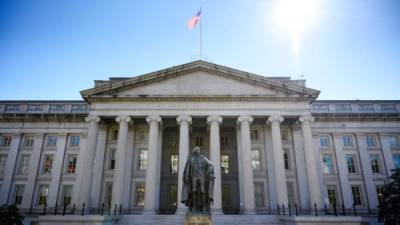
x,y
19,192
67,194
74,141
259,194
43,192
254,134
374,158
3,163
24,164
142,162
139,194
396,160
48,163
51,141
286,158
324,141
351,166
356,192
108,196
71,167
6,141
371,141
255,159
111,164
379,192
174,164
347,141
332,197
291,193
28,141
172,195
327,163
224,164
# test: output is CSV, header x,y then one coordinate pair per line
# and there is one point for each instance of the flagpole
x,y
201,38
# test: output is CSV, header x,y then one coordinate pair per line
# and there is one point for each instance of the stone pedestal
x,y
198,218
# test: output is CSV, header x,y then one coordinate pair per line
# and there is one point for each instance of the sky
x,y
50,50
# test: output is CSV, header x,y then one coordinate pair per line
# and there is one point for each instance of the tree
x,y
390,203
9,215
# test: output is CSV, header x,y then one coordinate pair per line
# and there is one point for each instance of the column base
x,y
149,212
216,211
248,211
181,211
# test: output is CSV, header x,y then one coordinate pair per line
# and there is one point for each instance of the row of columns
x,y
214,121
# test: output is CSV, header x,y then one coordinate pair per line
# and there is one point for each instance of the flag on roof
x,y
194,20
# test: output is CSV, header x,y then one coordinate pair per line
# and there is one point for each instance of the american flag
x,y
194,20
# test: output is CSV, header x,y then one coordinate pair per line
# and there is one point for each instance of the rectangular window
x,y
43,192
396,161
259,194
74,141
290,193
374,158
28,142
254,134
347,141
109,186
67,194
379,193
174,164
226,195
255,159
71,164
393,141
172,195
198,141
327,164
224,141
6,141
323,141
355,190
371,141
286,158
23,164
331,189
139,195
225,164
142,159
19,192
351,167
3,163
114,133
111,164
284,133
51,141
48,163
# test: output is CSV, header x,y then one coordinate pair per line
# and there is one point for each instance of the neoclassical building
x,y
127,141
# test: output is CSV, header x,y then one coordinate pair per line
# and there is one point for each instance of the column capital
x,y
275,118
153,118
306,118
214,118
245,119
126,119
95,119
184,118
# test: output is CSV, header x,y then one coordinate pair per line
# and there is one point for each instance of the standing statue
x,y
198,182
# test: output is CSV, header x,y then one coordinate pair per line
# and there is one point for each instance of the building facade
x,y
126,144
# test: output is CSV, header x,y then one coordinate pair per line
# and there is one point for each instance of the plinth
x,y
198,218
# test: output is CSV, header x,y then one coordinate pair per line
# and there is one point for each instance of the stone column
x,y
85,169
279,163
246,171
184,123
311,162
215,156
119,170
150,204
367,170
57,170
9,170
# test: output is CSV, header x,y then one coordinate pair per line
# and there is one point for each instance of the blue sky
x,y
50,50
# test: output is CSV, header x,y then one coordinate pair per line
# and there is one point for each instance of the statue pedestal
x,y
198,218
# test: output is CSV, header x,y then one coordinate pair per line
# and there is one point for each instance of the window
x,y
371,141
254,134
111,164
114,134
226,195
379,193
74,141
28,142
393,141
351,167
19,192
24,164
323,141
198,141
139,195
290,193
396,160
6,141
355,190
71,167
347,141
284,133
3,163
172,195
259,194
108,196
142,159
286,158
255,159
51,141
374,163
174,164
331,189
43,192
225,164
48,163
327,164
224,141
67,194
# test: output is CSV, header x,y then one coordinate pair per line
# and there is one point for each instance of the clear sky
x,y
50,50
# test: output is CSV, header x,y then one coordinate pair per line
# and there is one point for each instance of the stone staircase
x,y
217,220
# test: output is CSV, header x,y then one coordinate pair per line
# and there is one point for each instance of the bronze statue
x,y
198,182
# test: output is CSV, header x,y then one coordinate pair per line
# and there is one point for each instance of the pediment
x,y
199,79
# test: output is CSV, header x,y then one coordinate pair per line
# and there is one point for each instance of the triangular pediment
x,y
199,78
